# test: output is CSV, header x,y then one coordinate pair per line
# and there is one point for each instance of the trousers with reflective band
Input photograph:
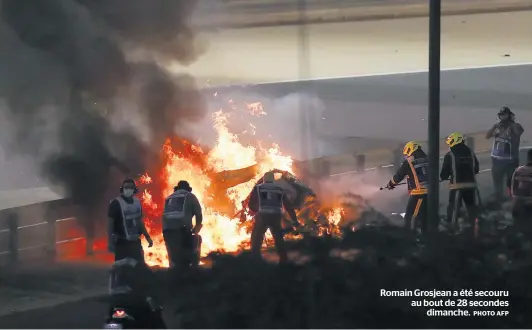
x,y
463,169
270,198
462,185
174,216
522,183
132,218
502,147
417,178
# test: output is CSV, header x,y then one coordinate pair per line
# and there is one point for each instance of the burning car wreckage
x,y
223,176
315,217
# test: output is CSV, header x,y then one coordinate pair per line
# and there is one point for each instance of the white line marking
x,y
66,219
367,75
41,246
349,172
32,247
33,225
70,240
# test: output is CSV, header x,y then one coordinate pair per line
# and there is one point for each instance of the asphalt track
x,y
380,107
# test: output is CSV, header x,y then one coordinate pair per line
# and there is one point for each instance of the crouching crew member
x,y
179,209
267,201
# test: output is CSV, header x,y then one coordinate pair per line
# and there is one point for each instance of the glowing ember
x,y
145,179
256,109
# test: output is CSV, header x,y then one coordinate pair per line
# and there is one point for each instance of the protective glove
x,y
390,185
197,229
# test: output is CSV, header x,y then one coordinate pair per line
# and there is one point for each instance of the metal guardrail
x,y
4,231
396,159
42,239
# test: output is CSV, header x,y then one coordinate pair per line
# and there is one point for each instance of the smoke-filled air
x,y
87,96
76,101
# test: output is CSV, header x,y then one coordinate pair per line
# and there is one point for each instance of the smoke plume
x,y
74,98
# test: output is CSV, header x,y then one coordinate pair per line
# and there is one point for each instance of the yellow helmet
x,y
454,139
410,147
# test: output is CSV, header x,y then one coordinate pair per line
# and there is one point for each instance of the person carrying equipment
x,y
521,191
460,167
415,168
267,201
125,224
505,151
179,234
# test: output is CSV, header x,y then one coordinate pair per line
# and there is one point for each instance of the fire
x,y
256,109
186,161
335,216
220,231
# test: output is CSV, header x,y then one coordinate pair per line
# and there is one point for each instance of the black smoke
x,y
66,76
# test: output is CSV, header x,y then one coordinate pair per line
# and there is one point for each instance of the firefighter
x,y
505,151
415,168
125,224
267,201
521,191
460,166
178,231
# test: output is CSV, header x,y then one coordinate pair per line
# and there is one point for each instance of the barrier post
x,y
12,223
360,163
470,142
51,238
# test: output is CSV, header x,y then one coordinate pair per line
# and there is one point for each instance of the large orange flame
x,y
220,232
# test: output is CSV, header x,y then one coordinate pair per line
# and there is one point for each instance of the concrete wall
x,y
252,13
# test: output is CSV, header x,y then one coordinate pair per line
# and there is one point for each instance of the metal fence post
x,y
51,218
12,223
360,163
470,142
